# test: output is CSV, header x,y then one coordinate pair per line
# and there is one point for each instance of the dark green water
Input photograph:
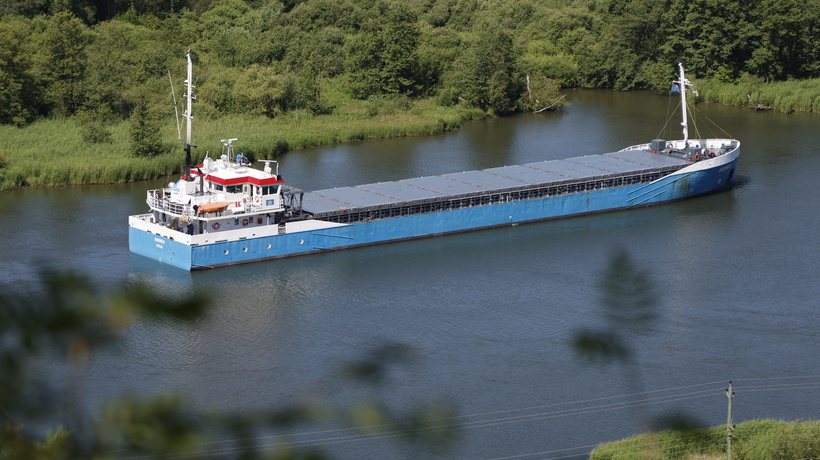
x,y
489,314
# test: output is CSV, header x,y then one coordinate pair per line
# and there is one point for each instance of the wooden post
x,y
729,428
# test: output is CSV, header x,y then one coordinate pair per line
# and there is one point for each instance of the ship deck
x,y
344,200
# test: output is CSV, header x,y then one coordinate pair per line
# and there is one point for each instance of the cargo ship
x,y
225,211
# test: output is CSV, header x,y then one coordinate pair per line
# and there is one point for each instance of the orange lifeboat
x,y
212,207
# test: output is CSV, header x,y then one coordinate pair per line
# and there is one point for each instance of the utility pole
x,y
729,427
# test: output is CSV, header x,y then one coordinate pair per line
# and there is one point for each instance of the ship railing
x,y
160,199
529,192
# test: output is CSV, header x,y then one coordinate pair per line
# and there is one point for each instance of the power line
x,y
772,387
514,415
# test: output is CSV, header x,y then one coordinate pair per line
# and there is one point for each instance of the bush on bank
x,y
751,440
54,152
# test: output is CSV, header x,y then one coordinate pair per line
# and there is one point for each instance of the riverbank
x,y
783,96
53,152
751,440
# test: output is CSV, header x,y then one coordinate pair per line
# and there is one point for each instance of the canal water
x,y
490,315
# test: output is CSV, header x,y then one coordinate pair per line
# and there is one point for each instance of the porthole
x,y
226,252
301,241
268,245
244,249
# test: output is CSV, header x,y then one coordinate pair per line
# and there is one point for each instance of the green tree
x,y
263,91
438,49
542,94
217,92
713,39
640,27
62,59
462,14
490,79
317,56
318,14
60,63
26,8
593,71
145,138
382,58
788,33
631,40
122,58
628,40
16,86
399,72
364,60
221,15
111,8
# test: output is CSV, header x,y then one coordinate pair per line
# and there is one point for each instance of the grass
x,y
787,96
753,440
52,152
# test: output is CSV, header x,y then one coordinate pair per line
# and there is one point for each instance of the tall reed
x,y
52,152
787,96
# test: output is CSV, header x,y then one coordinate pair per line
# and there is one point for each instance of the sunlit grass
x,y
753,440
52,152
788,96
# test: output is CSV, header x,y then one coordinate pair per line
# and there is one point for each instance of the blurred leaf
x,y
64,312
159,427
628,302
14,445
628,308
373,367
678,422
140,296
295,414
627,295
369,417
433,425
600,347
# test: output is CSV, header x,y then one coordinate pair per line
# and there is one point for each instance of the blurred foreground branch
x,y
63,317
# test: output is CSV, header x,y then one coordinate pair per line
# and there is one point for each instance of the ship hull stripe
x,y
686,183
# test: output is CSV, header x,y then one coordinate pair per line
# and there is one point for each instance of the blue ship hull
x,y
686,183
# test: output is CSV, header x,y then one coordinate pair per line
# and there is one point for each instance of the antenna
x,y
684,85
228,147
176,110
189,96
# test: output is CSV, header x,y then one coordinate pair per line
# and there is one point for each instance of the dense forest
x,y
100,59
89,79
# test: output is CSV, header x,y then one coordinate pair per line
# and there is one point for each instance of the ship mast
x,y
683,86
189,97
